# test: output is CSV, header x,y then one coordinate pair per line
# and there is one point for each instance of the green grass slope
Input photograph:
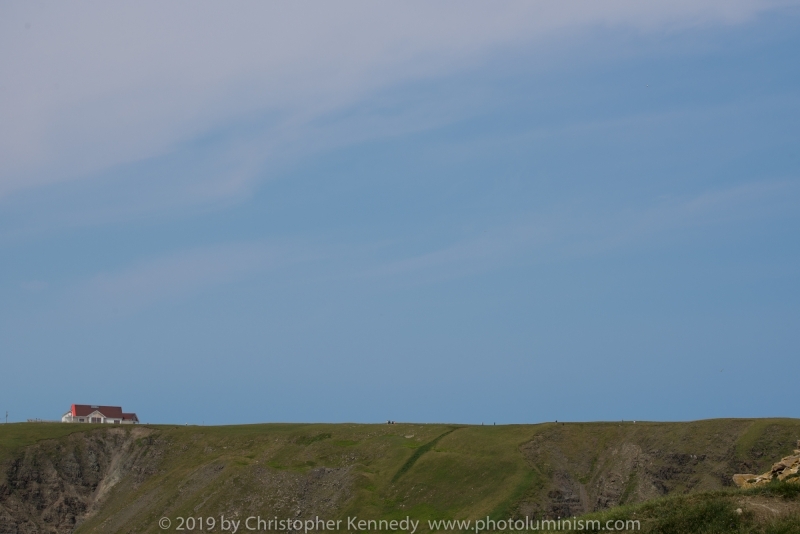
x,y
88,478
772,509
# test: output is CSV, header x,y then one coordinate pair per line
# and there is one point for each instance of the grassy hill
x,y
773,509
90,478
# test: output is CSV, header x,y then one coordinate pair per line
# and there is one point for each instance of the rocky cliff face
x,y
124,479
590,471
53,485
788,469
56,485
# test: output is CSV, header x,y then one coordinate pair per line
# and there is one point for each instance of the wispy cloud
x,y
563,233
580,231
178,275
91,87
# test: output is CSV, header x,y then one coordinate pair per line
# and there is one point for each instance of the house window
x,y
80,420
95,419
116,421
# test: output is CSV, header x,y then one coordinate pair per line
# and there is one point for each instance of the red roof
x,y
111,412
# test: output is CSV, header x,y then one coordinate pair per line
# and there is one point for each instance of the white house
x,y
86,413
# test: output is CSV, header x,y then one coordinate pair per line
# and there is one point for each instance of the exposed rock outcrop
x,y
788,468
593,468
54,485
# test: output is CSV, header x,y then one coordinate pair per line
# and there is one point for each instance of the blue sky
x,y
469,212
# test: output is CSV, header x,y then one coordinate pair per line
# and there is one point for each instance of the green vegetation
x,y
16,436
383,471
308,440
786,490
422,449
767,510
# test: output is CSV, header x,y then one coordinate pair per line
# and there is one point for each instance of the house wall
x,y
68,418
